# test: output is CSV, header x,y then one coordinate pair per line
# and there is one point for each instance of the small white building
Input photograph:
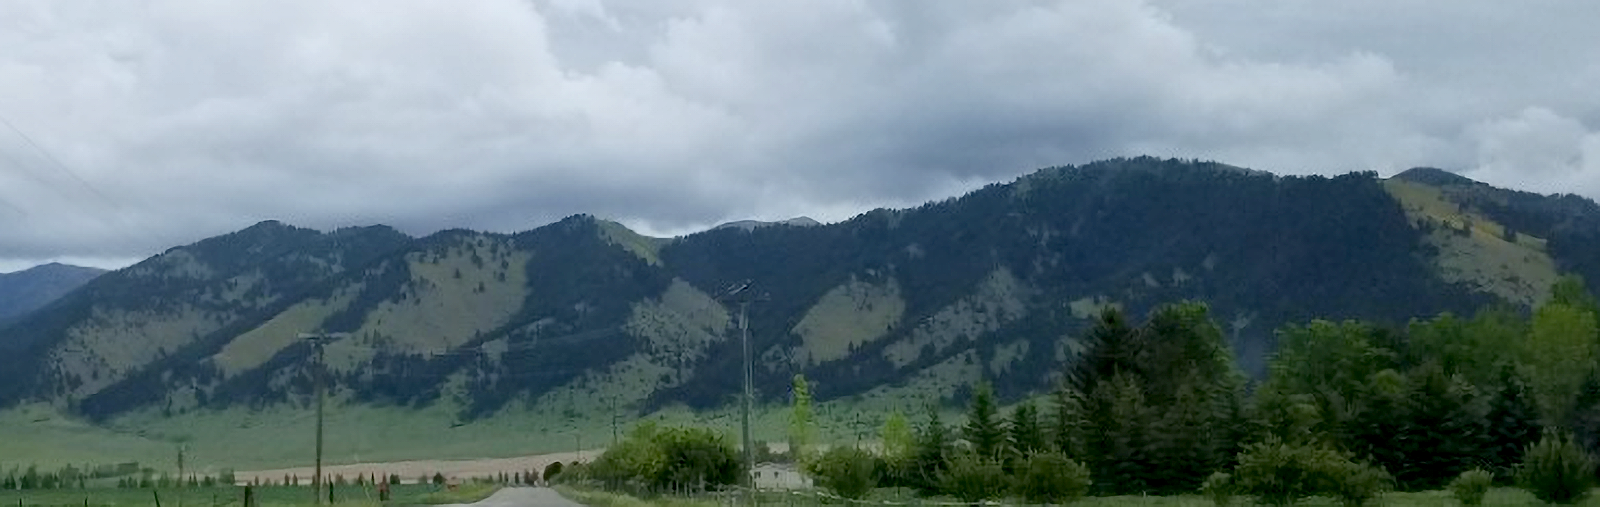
x,y
779,476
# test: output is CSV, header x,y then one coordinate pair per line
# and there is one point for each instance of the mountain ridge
x,y
891,304
30,289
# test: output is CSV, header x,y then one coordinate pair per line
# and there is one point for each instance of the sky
x,y
131,126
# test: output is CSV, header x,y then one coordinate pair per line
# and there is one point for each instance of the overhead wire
x,y
117,211
57,162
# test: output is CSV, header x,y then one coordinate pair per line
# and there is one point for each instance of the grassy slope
x,y
1519,270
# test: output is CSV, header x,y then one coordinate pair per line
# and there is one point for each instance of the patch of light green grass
x,y
268,496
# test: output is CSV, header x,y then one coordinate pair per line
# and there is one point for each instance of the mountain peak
x,y
800,221
33,288
1434,176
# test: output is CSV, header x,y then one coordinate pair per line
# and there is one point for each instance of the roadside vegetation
x,y
1500,408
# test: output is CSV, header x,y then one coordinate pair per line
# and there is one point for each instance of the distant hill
x,y
30,289
752,224
903,305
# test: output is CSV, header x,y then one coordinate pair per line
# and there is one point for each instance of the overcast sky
x,y
133,126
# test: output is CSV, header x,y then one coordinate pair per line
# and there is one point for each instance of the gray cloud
x,y
188,118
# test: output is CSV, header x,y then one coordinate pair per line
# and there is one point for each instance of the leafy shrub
x,y
1556,469
1277,473
1354,484
973,478
846,471
1052,478
1219,488
1471,486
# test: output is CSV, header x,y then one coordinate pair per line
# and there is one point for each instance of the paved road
x,y
523,497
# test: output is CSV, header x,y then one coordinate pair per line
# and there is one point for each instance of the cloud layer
x,y
141,125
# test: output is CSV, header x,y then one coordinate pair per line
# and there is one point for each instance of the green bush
x,y
846,471
1355,484
1471,486
973,478
1219,488
1277,473
1556,469
1052,478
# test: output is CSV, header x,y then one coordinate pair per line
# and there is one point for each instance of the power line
x,y
57,162
116,209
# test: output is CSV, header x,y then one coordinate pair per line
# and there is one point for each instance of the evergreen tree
x,y
932,453
1512,425
1384,418
1446,429
1184,440
1119,438
1066,428
1586,415
1026,435
983,429
1111,345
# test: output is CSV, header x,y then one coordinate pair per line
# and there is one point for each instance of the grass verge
x,y
466,493
596,498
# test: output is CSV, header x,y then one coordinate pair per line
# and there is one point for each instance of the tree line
x,y
1160,407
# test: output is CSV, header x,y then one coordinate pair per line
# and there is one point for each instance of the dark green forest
x,y
1158,406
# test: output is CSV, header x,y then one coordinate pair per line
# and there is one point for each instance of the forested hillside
x,y
905,304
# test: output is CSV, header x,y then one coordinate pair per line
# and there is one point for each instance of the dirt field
x,y
410,471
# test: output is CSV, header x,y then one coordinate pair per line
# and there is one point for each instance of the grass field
x,y
224,496
242,440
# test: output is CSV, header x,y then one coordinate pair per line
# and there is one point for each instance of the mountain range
x,y
24,291
907,304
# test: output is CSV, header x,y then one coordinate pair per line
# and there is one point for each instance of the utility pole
x,y
614,433
318,340
749,447
857,428
741,293
181,484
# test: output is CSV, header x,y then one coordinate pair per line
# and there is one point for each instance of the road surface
x,y
523,497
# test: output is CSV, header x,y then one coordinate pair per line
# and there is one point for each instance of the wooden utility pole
x,y
741,293
318,340
182,485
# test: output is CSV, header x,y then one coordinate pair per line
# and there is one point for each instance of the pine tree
x,y
1111,345
932,453
1119,438
1446,426
1513,425
1026,435
1066,428
983,429
1184,440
